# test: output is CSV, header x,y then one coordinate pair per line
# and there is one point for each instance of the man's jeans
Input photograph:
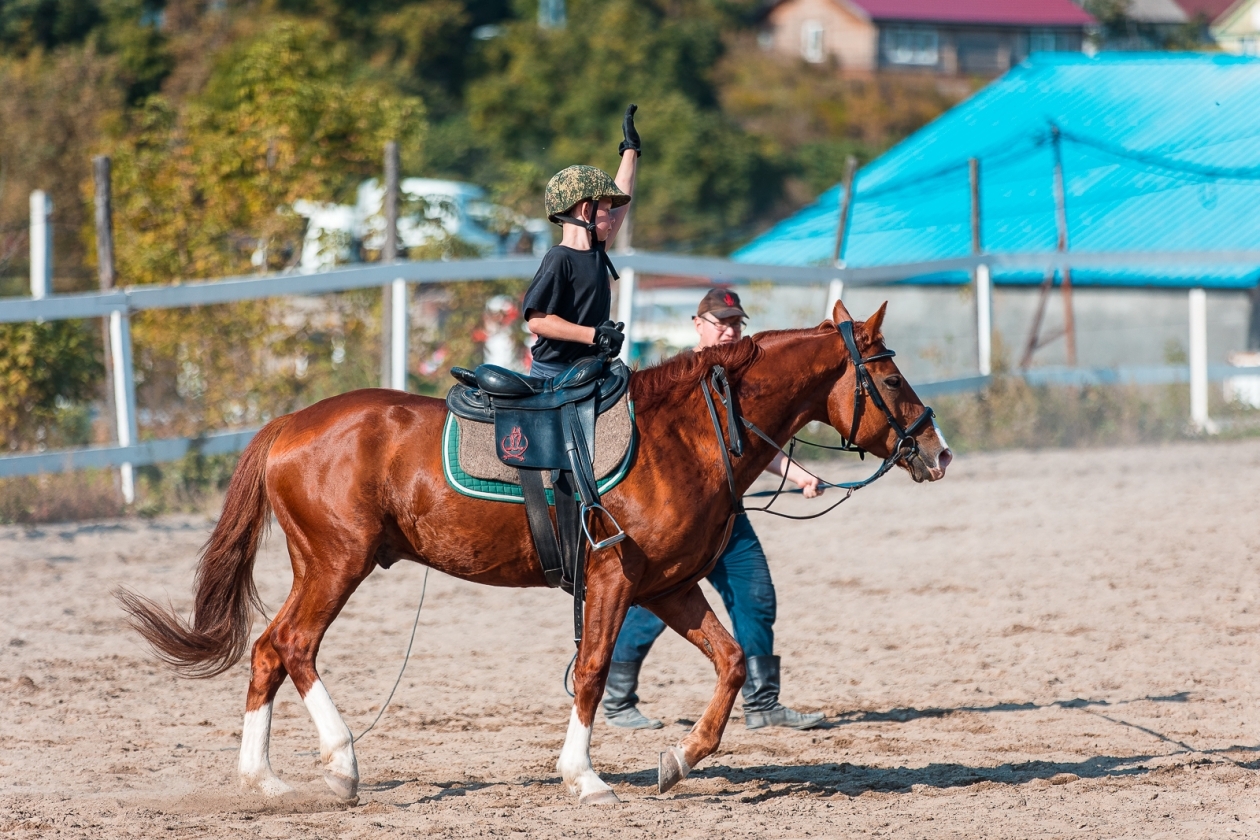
x,y
742,578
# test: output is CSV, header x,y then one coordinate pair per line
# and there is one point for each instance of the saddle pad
x,y
472,467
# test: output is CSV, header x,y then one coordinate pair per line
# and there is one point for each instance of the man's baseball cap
x,y
721,303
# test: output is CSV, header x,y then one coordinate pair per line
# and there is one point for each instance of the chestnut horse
x,y
356,482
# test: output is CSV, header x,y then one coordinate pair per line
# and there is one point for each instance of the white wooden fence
x,y
117,305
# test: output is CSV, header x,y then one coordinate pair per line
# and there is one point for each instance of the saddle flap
x,y
530,439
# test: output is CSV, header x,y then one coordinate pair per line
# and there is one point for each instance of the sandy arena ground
x,y
1057,644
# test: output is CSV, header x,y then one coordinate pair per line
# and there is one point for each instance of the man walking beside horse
x,y
741,576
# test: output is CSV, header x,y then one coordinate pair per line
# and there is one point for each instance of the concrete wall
x,y
933,328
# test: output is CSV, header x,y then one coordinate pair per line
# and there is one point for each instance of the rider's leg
x,y
639,631
689,614
742,578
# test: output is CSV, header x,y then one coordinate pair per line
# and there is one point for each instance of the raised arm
x,y
626,172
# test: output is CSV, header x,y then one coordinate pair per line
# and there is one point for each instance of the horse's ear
x,y
839,314
875,322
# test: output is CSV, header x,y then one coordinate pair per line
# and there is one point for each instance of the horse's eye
x,y
893,382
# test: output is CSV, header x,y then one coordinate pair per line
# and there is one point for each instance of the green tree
x,y
202,190
46,368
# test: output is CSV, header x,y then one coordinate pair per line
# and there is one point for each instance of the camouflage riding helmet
x,y
579,183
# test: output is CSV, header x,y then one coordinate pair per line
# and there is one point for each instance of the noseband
x,y
732,443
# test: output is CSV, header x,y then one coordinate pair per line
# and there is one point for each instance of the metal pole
x,y
846,208
983,280
104,205
835,290
41,245
389,253
1060,218
400,330
124,393
1198,363
626,287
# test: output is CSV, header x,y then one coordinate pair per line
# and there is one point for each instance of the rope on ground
x,y
424,588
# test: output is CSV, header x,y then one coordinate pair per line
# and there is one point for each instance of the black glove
x,y
628,131
609,338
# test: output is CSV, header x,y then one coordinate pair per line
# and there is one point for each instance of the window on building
x,y
812,42
910,45
1048,40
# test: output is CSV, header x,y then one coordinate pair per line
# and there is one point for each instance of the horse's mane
x,y
676,378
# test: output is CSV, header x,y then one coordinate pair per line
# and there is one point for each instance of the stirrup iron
x,y
602,544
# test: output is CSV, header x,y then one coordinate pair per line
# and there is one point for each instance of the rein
x,y
732,443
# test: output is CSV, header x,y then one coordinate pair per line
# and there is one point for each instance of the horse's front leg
x,y
690,615
608,595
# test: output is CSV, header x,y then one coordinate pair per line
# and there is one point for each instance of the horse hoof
x,y
672,769
345,787
599,797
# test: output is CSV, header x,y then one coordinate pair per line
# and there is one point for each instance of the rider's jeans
x,y
547,370
742,578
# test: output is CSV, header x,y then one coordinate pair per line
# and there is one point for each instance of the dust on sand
x,y
1042,645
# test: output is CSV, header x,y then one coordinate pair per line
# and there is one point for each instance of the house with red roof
x,y
949,37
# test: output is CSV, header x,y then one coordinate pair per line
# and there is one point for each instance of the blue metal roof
x,y
1161,152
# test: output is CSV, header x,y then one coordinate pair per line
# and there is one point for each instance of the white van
x,y
428,209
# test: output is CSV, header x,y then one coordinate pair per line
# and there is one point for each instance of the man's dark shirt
x,y
575,286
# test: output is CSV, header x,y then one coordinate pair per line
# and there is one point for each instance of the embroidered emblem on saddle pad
x,y
471,464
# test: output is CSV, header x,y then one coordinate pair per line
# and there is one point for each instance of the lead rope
x,y
406,658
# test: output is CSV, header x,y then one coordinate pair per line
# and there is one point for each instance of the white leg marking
x,y
255,764
575,765
336,746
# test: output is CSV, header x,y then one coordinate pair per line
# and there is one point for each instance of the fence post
x,y
391,292
102,200
41,245
626,288
1199,363
835,290
983,279
399,334
124,393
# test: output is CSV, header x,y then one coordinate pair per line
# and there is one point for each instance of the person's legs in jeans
x,y
639,631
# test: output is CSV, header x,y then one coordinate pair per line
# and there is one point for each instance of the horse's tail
x,y
225,595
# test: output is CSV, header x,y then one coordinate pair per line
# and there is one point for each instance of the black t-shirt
x,y
575,286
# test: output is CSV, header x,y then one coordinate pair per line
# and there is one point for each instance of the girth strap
x,y
549,552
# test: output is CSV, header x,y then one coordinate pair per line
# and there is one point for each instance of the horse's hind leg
x,y
691,616
266,675
319,593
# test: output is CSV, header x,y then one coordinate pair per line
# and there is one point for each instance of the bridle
x,y
732,444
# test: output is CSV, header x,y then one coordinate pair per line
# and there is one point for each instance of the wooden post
x,y
626,286
1060,218
982,278
389,253
104,204
846,208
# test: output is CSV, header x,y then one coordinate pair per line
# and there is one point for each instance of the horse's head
x,y
924,453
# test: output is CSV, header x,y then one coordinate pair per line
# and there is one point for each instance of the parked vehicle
x,y
429,210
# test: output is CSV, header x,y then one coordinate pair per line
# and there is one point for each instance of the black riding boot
x,y
761,698
620,701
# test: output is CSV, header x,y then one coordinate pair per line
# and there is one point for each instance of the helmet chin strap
x,y
597,244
